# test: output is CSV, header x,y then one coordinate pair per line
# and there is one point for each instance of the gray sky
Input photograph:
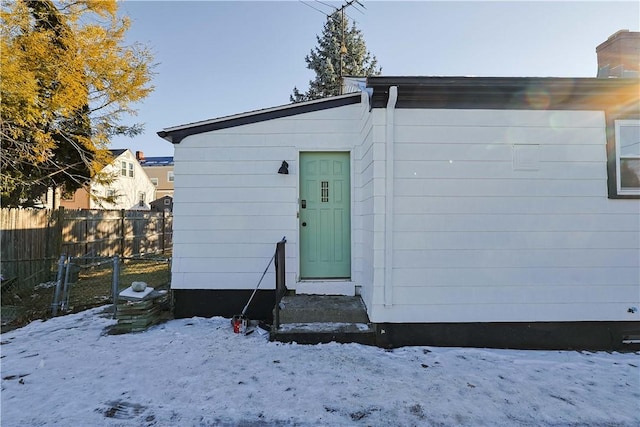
x,y
217,58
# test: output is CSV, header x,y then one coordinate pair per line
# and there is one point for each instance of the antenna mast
x,y
343,47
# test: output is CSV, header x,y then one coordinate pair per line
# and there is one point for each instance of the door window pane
x,y
324,191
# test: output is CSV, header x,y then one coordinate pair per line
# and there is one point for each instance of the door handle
x,y
304,224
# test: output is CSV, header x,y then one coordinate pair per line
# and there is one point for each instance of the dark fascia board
x,y
176,134
530,93
546,93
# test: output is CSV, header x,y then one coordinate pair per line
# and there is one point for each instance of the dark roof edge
x,y
116,152
176,134
463,81
505,92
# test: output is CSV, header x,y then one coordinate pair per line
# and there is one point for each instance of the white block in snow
x,y
130,294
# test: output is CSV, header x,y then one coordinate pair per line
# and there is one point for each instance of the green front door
x,y
325,226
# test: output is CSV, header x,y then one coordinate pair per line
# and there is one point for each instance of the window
x,y
627,138
170,176
154,181
167,201
141,197
126,168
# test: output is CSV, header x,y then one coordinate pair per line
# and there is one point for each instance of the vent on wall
x,y
526,157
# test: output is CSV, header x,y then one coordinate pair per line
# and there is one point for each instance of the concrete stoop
x,y
315,319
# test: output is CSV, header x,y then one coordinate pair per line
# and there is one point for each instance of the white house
x,y
464,210
130,185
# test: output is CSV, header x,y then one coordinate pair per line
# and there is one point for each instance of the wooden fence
x,y
33,240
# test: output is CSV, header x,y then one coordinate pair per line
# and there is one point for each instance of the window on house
x,y
627,149
131,170
167,201
154,181
123,168
141,197
170,176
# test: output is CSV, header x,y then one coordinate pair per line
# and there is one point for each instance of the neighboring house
x,y
131,186
162,204
160,171
464,210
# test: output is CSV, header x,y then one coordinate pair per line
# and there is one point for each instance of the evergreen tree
x,y
340,47
66,80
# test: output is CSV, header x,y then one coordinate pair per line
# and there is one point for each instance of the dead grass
x,y
92,289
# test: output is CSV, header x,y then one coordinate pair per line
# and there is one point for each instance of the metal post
x,y
65,288
56,295
115,283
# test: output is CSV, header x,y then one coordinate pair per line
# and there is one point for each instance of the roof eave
x,y
176,134
504,92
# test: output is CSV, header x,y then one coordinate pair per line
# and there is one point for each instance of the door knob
x,y
304,224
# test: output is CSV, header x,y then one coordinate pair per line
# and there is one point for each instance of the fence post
x,y
60,231
115,283
163,231
86,236
65,289
122,231
56,295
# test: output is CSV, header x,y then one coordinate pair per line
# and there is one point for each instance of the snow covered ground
x,y
197,372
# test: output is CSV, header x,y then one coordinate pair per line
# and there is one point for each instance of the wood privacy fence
x,y
33,240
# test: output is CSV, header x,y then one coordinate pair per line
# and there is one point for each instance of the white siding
x,y
364,216
478,239
497,215
231,206
126,188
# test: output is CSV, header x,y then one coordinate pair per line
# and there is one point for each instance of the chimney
x,y
619,55
139,155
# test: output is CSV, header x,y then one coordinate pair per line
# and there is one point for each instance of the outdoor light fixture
x,y
284,169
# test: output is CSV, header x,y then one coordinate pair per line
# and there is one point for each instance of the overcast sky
x,y
217,58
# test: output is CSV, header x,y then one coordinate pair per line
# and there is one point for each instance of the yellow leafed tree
x,y
67,80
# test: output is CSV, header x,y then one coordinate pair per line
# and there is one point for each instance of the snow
x,y
196,372
324,327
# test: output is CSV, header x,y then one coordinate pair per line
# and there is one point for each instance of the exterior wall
x,y
503,216
79,200
162,204
233,206
365,200
127,188
161,173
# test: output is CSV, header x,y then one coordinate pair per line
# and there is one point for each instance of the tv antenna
x,y
343,48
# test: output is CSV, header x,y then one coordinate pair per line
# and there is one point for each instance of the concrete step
x,y
322,333
322,309
315,319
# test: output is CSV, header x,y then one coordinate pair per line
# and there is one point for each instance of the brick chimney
x,y
139,155
619,55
